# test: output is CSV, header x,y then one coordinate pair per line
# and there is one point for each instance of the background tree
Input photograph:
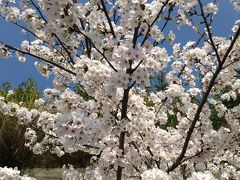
x,y
13,152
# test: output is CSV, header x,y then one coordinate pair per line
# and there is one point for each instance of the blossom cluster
x,y
69,173
10,173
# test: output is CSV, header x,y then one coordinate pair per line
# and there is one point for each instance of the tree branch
x,y
62,44
150,26
108,18
199,109
38,57
122,134
110,64
209,32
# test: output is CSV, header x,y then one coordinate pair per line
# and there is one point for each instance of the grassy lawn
x,y
45,174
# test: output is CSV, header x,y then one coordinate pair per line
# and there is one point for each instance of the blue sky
x,y
13,71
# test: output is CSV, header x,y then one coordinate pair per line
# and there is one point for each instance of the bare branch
x,y
135,36
122,134
39,11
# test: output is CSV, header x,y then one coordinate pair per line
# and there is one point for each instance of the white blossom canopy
x,y
111,50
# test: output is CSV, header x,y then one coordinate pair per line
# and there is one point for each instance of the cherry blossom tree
x,y
110,50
